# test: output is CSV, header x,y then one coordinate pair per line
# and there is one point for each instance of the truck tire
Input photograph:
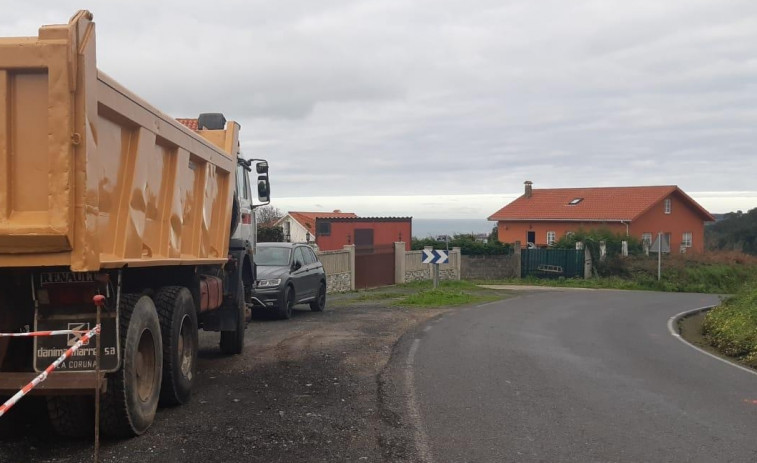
x,y
72,415
131,400
232,342
287,304
178,329
319,304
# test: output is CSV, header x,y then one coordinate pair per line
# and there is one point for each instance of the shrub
x,y
612,265
732,326
269,234
697,273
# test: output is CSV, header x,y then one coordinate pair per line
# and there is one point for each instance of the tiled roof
x,y
191,123
307,219
610,204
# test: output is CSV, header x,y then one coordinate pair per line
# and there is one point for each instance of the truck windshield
x,y
272,256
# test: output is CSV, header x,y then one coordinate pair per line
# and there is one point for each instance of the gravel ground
x,y
313,388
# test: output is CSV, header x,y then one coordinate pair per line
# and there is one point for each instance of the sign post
x,y
431,256
661,244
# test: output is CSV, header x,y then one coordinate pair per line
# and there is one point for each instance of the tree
x,y
737,231
268,215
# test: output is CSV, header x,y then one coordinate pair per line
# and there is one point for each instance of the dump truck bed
x,y
93,177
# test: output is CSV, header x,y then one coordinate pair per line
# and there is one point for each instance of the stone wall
x,y
340,269
338,282
409,267
425,274
490,267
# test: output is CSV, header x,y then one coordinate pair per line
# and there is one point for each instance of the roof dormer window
x,y
575,201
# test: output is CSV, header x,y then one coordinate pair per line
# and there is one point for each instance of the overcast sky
x,y
400,98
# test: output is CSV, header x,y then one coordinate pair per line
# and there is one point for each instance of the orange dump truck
x,y
102,194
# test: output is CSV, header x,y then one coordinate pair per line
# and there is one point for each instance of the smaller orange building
x,y
334,230
366,233
542,216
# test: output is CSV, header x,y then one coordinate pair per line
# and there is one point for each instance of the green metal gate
x,y
552,263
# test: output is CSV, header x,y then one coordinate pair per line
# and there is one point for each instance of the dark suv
x,y
289,274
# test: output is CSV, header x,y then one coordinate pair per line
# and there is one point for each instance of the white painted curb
x,y
673,328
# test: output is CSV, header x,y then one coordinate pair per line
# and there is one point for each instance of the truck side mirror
x,y
262,167
264,189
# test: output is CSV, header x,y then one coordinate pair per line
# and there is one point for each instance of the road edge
x,y
673,329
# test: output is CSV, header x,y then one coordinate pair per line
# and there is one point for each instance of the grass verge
x,y
421,294
732,326
449,293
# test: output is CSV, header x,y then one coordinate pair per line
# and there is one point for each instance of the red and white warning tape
x,y
41,333
43,376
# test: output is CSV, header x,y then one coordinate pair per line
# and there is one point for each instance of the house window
x,y
575,201
569,234
550,238
324,228
646,238
686,240
668,206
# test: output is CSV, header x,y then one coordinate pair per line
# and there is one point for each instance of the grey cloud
x,y
449,97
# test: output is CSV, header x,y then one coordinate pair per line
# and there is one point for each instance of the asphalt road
x,y
576,376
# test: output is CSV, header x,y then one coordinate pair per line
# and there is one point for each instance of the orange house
x,y
542,216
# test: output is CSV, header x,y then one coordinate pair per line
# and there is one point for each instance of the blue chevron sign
x,y
435,257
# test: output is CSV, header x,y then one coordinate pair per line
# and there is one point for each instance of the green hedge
x,y
467,243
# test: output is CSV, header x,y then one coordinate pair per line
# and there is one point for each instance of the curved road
x,y
577,376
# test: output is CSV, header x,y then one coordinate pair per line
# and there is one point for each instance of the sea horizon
x,y
425,228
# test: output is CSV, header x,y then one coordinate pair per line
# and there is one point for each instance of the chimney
x,y
528,184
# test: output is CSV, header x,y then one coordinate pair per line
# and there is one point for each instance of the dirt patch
x,y
690,329
306,389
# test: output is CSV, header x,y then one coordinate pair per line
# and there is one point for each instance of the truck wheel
x,y
131,400
178,329
232,342
320,299
287,305
72,415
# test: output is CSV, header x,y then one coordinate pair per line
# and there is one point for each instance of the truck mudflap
x,y
63,301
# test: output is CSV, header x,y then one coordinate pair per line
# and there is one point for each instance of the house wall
x,y
682,218
510,232
297,232
384,233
